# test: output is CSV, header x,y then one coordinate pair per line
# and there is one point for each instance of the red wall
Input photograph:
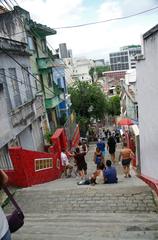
x,y
153,183
24,173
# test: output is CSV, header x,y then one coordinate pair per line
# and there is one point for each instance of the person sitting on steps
x,y
110,174
98,177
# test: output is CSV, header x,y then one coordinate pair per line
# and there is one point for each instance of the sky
x,y
94,41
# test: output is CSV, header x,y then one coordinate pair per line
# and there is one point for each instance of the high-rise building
x,y
70,53
63,50
125,58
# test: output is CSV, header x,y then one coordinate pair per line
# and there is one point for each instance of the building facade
x,y
129,106
125,58
112,79
81,67
63,109
28,98
21,108
147,72
63,50
24,29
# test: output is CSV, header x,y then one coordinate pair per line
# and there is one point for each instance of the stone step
x,y
89,226
86,200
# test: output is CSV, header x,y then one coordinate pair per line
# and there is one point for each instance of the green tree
x,y
88,101
101,69
114,106
91,73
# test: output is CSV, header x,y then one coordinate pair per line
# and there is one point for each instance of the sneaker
x,y
68,176
129,175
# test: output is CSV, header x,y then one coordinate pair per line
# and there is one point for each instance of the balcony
x,y
13,46
27,112
55,101
44,63
57,90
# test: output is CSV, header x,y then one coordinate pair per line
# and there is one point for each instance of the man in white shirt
x,y
4,228
65,163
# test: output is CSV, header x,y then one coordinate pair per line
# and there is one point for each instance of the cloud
x,y
108,10
95,40
54,13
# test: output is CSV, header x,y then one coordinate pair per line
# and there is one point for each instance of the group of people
x,y
102,148
112,138
79,159
105,171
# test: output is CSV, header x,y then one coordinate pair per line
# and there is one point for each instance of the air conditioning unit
x,y
139,57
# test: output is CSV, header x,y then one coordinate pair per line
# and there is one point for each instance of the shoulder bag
x,y
16,218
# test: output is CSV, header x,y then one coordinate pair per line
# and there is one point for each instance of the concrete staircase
x,y
62,210
90,226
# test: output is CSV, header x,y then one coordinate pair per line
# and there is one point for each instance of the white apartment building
x,y
125,58
81,67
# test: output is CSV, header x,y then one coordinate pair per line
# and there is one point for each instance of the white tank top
x,y
3,223
100,178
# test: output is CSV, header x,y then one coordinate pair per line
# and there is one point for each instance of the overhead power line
x,y
2,49
108,20
36,34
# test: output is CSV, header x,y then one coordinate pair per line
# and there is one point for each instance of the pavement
x,y
63,210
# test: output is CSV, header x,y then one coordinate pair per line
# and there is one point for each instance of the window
x,y
15,86
49,80
43,163
59,82
126,58
64,82
4,81
5,161
127,66
30,43
27,83
44,46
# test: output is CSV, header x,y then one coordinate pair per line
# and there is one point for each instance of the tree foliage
x,y
98,71
114,106
101,69
88,101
